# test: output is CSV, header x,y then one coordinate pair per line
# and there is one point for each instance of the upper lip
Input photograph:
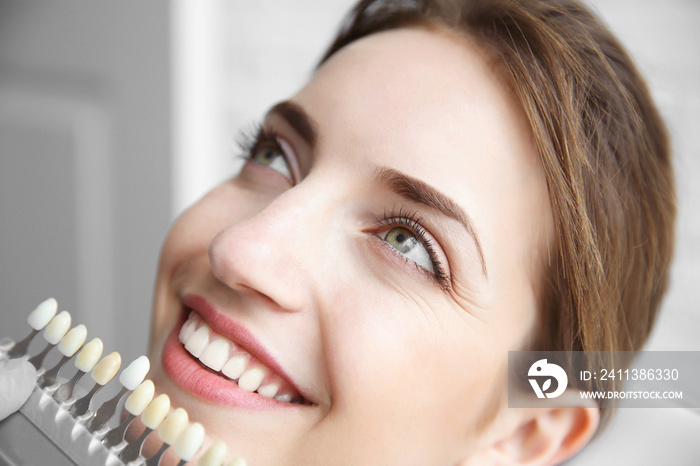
x,y
238,334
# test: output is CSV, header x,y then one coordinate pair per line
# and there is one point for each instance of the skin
x,y
400,369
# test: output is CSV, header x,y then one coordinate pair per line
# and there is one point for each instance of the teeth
x,y
156,411
216,354
198,341
57,328
251,379
137,401
73,340
187,330
173,426
106,369
215,455
43,313
190,441
221,355
238,462
89,355
135,372
235,366
269,390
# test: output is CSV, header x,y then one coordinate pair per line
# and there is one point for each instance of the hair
x,y
603,147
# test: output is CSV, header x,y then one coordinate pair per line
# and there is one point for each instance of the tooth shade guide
x,y
140,398
42,314
190,441
135,372
156,411
215,455
89,355
73,340
57,328
106,369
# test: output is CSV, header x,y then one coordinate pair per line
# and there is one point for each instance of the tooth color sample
x,y
238,462
156,411
137,401
251,379
173,426
73,340
57,328
215,455
190,441
106,369
135,372
198,341
215,354
43,314
89,355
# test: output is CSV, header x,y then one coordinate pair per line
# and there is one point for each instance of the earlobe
x,y
547,436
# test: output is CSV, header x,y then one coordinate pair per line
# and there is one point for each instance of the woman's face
x,y
375,259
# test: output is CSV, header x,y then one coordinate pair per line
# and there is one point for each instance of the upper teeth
x,y
222,355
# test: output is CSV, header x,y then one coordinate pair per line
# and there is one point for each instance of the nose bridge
x,y
273,251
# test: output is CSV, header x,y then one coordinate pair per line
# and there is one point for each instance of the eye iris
x,y
266,155
402,239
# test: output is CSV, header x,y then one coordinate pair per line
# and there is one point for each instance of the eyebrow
x,y
422,193
297,119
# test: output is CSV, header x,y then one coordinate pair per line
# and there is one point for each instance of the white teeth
x,y
187,330
190,441
43,313
135,372
198,341
251,379
57,328
221,355
215,354
269,390
235,366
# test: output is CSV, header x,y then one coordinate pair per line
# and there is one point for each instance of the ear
x,y
547,436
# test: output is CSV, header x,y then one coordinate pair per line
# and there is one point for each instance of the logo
x,y
542,370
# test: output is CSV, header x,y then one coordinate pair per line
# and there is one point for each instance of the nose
x,y
272,253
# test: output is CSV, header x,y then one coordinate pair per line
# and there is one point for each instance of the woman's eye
x,y
271,156
409,245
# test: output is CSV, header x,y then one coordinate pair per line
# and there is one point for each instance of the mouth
x,y
231,370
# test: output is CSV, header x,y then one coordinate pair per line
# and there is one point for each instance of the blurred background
x,y
115,116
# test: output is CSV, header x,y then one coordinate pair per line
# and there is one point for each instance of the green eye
x,y
409,245
272,156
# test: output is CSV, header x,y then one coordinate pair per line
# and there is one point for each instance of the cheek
x,y
400,357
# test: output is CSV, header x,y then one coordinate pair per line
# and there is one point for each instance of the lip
x,y
191,376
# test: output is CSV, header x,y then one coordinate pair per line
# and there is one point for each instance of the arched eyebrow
x,y
403,185
418,191
297,119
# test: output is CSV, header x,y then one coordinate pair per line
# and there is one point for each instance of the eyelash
x,y
412,221
250,140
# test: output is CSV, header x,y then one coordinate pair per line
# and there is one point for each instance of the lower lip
x,y
191,376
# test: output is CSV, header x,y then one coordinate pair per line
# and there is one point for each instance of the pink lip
x,y
190,375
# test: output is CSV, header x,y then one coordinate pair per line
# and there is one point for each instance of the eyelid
x,y
290,156
410,221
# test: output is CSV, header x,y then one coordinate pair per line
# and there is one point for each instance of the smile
x,y
229,360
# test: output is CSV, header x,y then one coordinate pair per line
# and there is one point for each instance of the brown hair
x,y
602,144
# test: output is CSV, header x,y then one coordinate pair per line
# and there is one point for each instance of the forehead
x,y
420,90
